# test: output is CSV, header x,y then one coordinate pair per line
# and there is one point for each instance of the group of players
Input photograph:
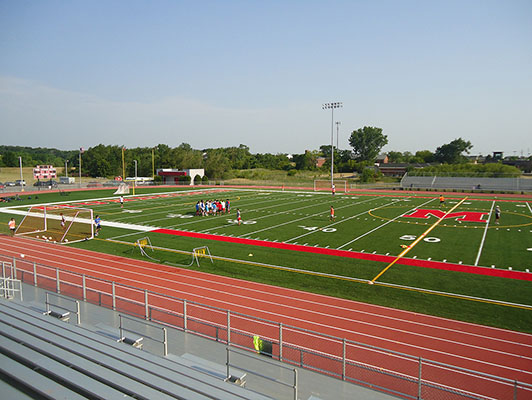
x,y
213,207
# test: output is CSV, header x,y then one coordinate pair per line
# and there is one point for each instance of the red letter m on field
x,y
470,216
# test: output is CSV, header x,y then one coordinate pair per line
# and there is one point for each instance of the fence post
x,y
78,312
228,327
295,384
113,294
58,288
146,304
165,338
343,359
227,363
280,341
515,390
419,380
13,266
84,287
14,269
34,273
184,315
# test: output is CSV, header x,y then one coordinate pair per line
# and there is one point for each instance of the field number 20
x,y
414,237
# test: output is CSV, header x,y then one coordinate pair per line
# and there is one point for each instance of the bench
x,y
61,316
218,370
137,343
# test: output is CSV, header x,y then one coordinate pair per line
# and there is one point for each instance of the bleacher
x,y
44,357
466,183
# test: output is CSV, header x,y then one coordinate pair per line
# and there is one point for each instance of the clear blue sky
x,y
220,73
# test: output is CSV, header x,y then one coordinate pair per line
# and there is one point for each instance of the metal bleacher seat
x,y
70,358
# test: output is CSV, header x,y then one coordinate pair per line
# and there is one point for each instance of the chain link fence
x,y
381,369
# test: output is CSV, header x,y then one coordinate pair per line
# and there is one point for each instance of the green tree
x,y
306,161
395,157
216,163
426,155
451,153
367,143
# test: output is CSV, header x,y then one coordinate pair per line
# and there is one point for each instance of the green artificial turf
x,y
368,223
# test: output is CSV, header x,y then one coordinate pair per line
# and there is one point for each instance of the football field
x,y
363,223
454,260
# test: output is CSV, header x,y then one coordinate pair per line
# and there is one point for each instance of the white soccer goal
x,y
325,185
58,224
123,188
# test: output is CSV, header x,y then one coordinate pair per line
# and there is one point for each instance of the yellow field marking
x,y
421,237
346,278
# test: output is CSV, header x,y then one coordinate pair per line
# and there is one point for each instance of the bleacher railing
x,y
370,366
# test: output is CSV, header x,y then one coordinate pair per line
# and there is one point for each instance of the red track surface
x,y
494,351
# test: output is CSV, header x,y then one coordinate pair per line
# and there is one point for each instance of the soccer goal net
x,y
123,188
325,185
58,224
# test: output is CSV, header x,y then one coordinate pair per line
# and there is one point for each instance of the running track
x,y
494,351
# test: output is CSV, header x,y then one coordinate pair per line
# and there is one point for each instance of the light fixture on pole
x,y
332,106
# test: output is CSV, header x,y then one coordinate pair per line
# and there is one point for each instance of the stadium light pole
x,y
21,179
66,168
80,153
135,183
338,123
332,106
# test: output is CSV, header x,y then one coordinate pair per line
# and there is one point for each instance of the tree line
x,y
106,160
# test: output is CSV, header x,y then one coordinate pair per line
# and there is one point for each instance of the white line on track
x,y
383,225
484,235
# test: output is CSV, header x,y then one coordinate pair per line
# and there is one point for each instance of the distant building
x,y
320,161
382,159
171,176
44,172
398,169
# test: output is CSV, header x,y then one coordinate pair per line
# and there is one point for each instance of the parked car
x,y
20,182
45,184
10,183
2,186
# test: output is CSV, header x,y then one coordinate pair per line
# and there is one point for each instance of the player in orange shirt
x,y
331,218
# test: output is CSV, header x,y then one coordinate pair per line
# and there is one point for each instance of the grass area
x,y
369,223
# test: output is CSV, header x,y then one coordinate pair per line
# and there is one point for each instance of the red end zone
x,y
501,273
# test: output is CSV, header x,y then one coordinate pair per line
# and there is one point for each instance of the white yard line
x,y
484,235
344,220
383,225
528,205
299,219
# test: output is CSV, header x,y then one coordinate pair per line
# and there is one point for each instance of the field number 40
x,y
315,228
427,239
